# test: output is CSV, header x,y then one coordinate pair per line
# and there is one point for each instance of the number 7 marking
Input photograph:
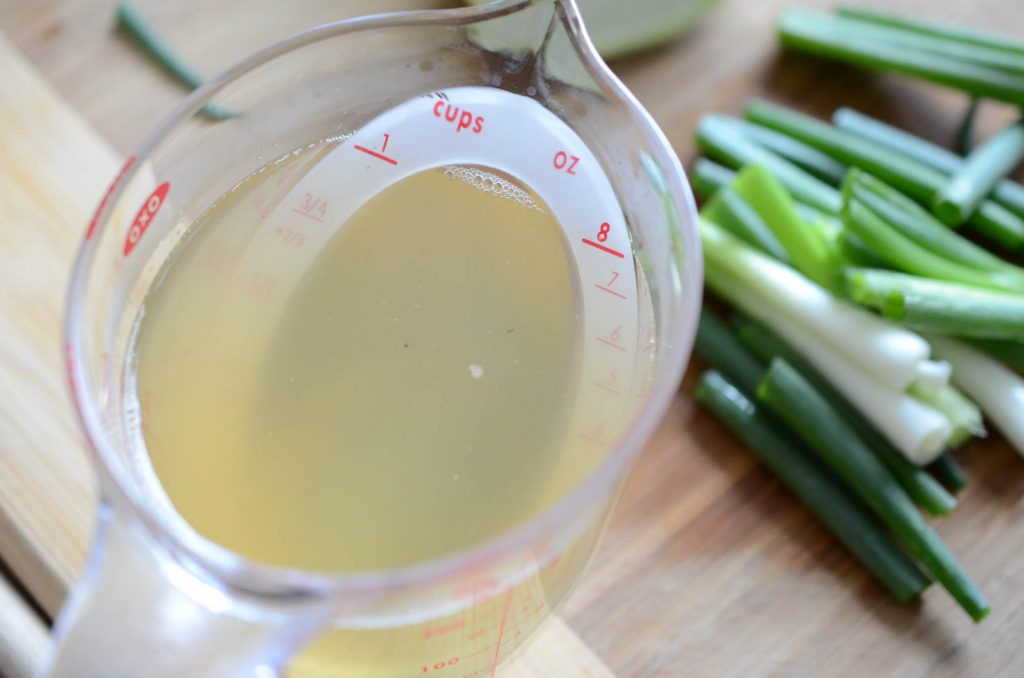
x,y
608,288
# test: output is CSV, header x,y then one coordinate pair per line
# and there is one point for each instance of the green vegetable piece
x,y
1009,352
920,486
948,472
721,138
906,255
833,37
807,251
133,25
708,177
1007,193
815,485
911,220
796,401
980,173
729,210
717,346
938,306
914,178
964,416
948,31
800,154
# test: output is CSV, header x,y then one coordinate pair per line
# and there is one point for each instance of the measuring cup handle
x,y
138,613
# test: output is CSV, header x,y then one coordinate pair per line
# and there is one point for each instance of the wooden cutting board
x,y
709,568
53,170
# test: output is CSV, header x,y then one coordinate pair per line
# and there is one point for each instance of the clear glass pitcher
x,y
159,599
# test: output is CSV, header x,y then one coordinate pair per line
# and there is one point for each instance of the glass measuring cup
x,y
159,599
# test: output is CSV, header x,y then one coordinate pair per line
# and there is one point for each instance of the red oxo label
x,y
146,214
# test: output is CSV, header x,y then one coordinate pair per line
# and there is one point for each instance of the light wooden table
x,y
710,568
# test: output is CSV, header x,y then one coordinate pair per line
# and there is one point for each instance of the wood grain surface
x,y
709,568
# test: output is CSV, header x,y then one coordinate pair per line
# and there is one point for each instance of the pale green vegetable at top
x,y
618,27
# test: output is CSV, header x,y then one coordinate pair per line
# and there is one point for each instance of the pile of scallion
x,y
871,336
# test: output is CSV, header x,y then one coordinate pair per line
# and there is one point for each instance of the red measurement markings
x,y
475,588
602,236
444,630
608,287
613,339
261,286
106,196
378,154
501,633
443,664
596,436
565,162
312,207
291,237
476,634
489,648
610,389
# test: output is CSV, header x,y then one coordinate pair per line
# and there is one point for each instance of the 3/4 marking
x,y
312,207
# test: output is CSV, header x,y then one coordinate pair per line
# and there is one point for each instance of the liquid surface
x,y
409,399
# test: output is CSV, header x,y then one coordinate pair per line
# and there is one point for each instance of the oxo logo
x,y
146,214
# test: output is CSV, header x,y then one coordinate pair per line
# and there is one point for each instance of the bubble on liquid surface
x,y
493,184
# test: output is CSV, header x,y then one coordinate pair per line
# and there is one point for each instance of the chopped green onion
x,y
981,171
833,37
808,253
921,487
729,210
963,415
816,486
948,31
997,389
911,220
793,399
800,154
719,348
1007,193
858,253
1009,352
914,178
891,355
721,138
999,225
907,255
951,49
965,132
948,472
870,362
132,23
708,177
938,306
